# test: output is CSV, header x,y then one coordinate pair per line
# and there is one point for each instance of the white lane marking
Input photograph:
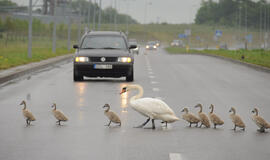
x,y
150,72
155,89
151,76
175,156
154,82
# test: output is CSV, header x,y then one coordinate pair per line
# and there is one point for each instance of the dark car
x,y
134,42
151,45
103,54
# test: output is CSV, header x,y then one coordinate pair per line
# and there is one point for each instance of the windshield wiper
x,y
109,48
90,48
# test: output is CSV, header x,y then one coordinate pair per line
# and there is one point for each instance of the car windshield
x,y
132,43
103,42
151,43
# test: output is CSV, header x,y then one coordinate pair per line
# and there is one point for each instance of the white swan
x,y
152,108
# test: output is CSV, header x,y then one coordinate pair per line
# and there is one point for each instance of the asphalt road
x,y
180,80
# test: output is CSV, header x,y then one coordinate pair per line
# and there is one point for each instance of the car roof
x,y
111,33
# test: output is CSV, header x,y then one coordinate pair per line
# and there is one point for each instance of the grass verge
x,y
258,57
15,54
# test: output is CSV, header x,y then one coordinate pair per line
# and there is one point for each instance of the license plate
x,y
102,66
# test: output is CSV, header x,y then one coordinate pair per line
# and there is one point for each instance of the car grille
x,y
108,59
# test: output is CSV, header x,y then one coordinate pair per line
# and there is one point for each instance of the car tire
x,y
77,77
130,77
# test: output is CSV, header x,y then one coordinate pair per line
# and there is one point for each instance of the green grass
x,y
258,57
15,52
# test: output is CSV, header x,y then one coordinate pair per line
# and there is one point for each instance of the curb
x,y
15,72
250,65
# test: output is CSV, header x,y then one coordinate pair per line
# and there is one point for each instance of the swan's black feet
x,y
142,125
153,124
110,124
59,122
166,123
262,130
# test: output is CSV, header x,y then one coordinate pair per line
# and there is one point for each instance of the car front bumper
x,y
118,69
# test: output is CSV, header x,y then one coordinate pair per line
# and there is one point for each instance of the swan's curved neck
x,y
233,110
137,96
55,107
256,112
24,106
108,108
200,111
212,109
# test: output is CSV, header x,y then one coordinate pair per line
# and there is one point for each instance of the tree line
x,y
234,13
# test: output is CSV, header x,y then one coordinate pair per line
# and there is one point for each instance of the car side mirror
x,y
75,46
132,46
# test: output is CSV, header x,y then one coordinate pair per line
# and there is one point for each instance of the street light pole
x,y
94,16
88,15
115,15
54,27
30,30
127,16
99,14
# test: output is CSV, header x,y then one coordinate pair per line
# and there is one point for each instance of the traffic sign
x,y
218,33
182,36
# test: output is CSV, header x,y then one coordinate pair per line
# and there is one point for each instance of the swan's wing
x,y
260,121
28,115
59,115
152,105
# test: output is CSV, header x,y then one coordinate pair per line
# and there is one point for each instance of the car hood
x,y
102,52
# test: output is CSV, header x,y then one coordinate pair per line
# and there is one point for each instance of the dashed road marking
x,y
155,89
175,156
154,82
150,72
151,76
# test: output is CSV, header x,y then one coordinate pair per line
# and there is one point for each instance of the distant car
x,y
134,42
103,54
151,45
175,43
158,43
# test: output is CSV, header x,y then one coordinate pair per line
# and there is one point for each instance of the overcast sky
x,y
171,11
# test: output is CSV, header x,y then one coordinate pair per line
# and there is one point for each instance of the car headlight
x,y
155,46
124,59
147,47
81,59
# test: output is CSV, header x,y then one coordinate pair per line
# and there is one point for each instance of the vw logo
x,y
102,59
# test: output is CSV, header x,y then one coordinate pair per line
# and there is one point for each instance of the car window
x,y
103,42
151,43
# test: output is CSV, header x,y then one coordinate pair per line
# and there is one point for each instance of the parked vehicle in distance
x,y
134,42
151,45
177,43
103,54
